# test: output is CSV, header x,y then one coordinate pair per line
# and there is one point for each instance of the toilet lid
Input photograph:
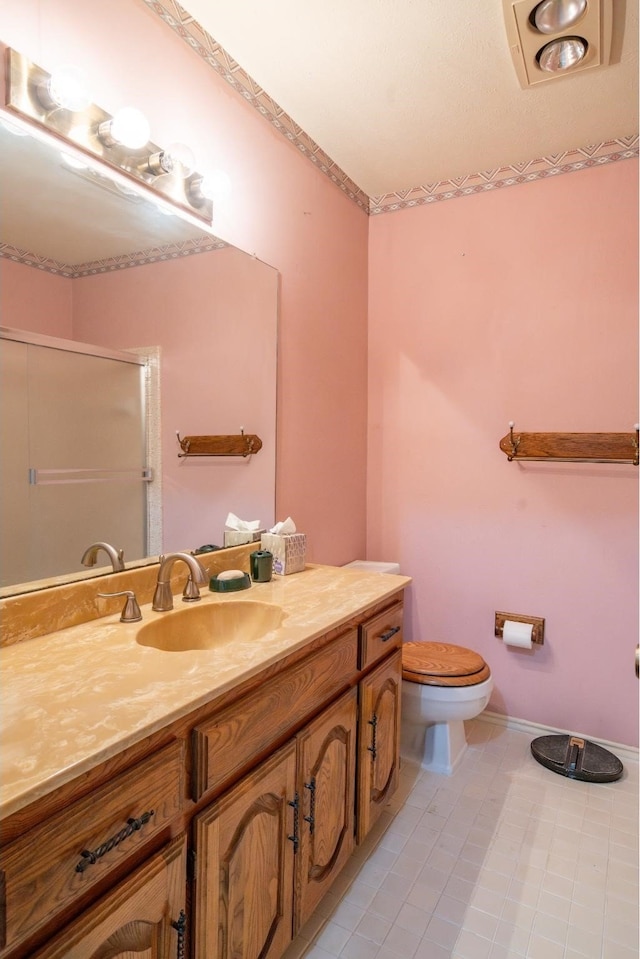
x,y
442,664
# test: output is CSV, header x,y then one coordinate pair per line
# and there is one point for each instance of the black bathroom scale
x,y
577,758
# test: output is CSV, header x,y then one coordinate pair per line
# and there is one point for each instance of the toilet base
x,y
438,747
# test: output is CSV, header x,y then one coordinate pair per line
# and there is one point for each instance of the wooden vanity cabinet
x,y
263,794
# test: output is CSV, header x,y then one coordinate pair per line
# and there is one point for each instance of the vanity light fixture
x,y
120,141
556,38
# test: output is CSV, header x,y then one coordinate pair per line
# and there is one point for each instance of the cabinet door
x,y
326,782
244,865
142,916
379,741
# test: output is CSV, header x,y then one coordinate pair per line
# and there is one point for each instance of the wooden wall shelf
x,y
240,444
571,447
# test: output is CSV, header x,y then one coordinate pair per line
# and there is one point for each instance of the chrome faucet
x,y
115,555
163,598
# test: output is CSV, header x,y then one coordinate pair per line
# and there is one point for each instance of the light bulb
x,y
67,87
215,185
554,16
182,159
129,128
562,54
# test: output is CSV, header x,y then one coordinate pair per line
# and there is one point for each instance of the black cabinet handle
x,y
373,748
389,633
311,818
295,838
133,825
180,925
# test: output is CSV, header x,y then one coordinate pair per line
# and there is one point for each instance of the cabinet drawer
x,y
226,744
140,917
378,636
59,860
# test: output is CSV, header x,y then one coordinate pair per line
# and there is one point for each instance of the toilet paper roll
x,y
517,634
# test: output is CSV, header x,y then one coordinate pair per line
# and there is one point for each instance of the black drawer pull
x,y
389,633
133,825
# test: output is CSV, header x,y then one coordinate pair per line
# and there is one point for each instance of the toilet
x,y
442,686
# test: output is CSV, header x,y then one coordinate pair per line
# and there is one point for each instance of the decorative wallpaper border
x,y
171,251
176,17
623,148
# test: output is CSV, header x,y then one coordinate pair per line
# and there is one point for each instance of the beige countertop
x,y
74,698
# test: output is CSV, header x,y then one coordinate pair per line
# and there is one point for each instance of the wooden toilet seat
x,y
442,664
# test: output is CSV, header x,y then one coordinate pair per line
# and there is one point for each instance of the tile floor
x,y
503,860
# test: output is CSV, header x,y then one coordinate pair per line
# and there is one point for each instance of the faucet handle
x,y
131,611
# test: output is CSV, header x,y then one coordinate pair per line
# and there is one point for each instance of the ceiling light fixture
x,y
557,38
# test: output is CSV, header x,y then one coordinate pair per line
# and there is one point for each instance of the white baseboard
x,y
629,753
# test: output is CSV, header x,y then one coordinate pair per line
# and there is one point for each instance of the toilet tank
x,y
368,566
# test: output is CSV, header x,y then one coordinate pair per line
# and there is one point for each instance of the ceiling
x,y
404,93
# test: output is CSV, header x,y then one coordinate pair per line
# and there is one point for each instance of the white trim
x,y
630,753
154,517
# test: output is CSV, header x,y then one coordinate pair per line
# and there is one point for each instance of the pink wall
x,y
214,316
519,304
474,320
281,209
31,299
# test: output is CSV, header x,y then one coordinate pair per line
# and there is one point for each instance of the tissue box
x,y
288,551
239,537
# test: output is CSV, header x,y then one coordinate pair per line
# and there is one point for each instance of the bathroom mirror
x,y
83,258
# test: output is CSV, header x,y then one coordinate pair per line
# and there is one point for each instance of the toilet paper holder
x,y
537,634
